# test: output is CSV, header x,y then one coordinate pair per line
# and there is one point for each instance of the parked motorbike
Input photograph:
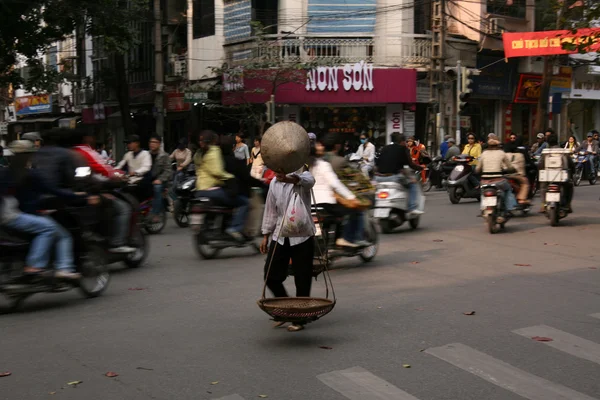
x,y
89,257
493,208
184,190
209,221
459,185
583,169
329,229
391,203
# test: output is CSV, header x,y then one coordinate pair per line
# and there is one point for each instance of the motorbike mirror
x,y
83,172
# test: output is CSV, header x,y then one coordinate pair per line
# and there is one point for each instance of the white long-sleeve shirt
x,y
327,182
277,203
367,152
140,163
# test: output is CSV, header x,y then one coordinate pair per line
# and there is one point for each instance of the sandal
x,y
295,328
278,324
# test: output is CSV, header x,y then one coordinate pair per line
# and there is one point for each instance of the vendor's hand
x,y
157,182
93,200
281,177
264,246
132,174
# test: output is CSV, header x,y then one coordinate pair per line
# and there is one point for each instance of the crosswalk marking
x,y
232,397
595,315
563,341
504,375
359,384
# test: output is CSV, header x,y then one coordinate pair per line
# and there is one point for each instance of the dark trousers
x,y
302,262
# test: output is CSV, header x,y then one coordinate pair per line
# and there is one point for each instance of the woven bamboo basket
x,y
296,309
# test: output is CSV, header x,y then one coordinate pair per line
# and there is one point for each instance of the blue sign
x,y
28,105
497,78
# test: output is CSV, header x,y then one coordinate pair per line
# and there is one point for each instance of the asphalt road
x,y
398,332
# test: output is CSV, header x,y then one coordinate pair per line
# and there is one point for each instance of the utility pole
x,y
459,86
159,74
436,71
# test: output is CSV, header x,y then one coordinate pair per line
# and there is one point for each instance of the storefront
x,y
584,105
349,99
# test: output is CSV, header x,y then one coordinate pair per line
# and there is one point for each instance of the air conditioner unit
x,y
496,26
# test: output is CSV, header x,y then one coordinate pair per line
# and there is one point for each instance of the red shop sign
x,y
529,89
174,102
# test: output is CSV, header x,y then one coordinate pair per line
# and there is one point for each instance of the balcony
x,y
406,51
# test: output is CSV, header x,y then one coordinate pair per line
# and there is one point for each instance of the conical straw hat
x,y
285,147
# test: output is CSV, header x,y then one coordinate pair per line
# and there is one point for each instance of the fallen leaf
x,y
51,393
438,240
469,313
137,288
532,232
145,369
111,374
326,347
3,374
214,383
74,383
415,262
379,308
592,268
406,365
422,350
542,339
522,265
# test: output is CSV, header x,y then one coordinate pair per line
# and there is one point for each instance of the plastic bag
x,y
297,221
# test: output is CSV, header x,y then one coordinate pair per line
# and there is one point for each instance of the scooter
x,y
329,229
391,203
208,221
493,208
583,169
459,185
184,190
556,177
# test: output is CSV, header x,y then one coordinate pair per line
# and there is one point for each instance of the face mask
x,y
363,141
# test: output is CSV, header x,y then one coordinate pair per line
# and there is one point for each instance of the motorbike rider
x,y
569,165
493,164
107,173
540,145
392,160
21,191
182,156
590,146
326,184
366,151
210,171
453,149
444,147
33,137
518,161
416,153
160,174
55,163
137,163
473,149
334,147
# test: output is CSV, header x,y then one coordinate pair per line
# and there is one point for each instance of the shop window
x,y
422,11
507,8
204,18
265,12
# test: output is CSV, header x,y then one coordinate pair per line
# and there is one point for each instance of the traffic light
x,y
465,91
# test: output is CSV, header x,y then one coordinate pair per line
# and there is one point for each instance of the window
x,y
422,15
507,8
204,18
265,12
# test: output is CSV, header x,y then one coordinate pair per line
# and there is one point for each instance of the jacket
x,y
518,161
183,158
161,167
211,171
56,165
493,164
140,163
326,183
584,146
452,151
474,150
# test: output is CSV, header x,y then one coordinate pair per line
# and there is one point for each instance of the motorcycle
x,y
184,190
391,203
556,178
439,171
493,208
209,221
583,169
329,229
89,257
459,185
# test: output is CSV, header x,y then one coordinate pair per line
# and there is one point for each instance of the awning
x,y
35,120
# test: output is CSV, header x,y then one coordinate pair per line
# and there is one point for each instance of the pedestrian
x,y
300,250
258,165
241,149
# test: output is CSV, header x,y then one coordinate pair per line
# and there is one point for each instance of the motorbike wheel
x,y
136,259
94,271
180,214
386,226
491,222
155,227
553,215
205,250
15,303
454,195
427,185
593,180
414,223
369,253
577,177
535,187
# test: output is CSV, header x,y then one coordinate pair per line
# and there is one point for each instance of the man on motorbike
x,y
393,159
137,163
107,173
21,191
453,149
55,163
160,174
493,164
590,146
517,160
334,146
540,145
366,151
569,165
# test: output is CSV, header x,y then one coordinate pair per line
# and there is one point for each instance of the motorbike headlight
x,y
186,185
460,168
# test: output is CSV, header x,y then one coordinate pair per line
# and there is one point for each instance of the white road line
x,y
563,341
504,375
231,397
595,315
359,384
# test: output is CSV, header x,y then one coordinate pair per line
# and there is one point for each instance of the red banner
x,y
547,43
